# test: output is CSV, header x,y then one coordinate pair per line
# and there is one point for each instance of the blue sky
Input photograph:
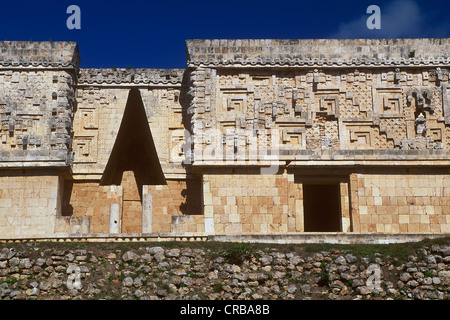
x,y
151,34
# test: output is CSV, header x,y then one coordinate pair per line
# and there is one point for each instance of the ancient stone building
x,y
253,137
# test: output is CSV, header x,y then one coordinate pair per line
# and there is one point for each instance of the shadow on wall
x,y
193,197
67,208
134,151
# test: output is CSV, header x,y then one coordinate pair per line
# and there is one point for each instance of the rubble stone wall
x,y
161,271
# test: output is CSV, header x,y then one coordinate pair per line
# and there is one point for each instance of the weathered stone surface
x,y
315,104
161,293
129,256
405,277
33,292
350,258
173,253
25,263
292,288
210,275
13,262
445,250
340,260
127,282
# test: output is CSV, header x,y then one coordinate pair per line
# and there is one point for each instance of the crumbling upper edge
x,y
39,54
317,52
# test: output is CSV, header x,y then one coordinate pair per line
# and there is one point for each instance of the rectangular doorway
x,y
322,208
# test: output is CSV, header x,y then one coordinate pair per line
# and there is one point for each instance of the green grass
x,y
10,280
324,279
233,253
298,280
218,287
401,251
236,252
192,275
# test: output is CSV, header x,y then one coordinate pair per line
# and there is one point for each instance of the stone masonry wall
x,y
300,95
241,52
216,271
37,100
29,202
381,202
102,95
319,104
89,199
404,203
168,203
246,202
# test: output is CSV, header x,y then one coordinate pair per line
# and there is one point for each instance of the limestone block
x,y
72,225
147,211
114,218
207,199
209,225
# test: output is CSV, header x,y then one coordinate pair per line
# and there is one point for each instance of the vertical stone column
x,y
354,203
292,194
147,210
295,202
208,208
345,210
446,101
114,218
299,217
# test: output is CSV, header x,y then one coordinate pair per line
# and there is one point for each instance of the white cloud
x,y
399,19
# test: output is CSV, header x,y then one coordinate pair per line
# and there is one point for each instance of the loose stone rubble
x,y
157,272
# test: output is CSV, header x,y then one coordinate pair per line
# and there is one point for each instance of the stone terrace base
x,y
298,238
332,238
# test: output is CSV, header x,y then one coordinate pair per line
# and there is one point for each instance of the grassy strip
x,y
236,252
400,251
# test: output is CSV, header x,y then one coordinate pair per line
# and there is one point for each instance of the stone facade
x,y
253,137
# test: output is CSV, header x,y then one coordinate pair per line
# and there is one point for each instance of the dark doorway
x,y
321,208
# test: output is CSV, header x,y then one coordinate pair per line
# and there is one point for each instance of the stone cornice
x,y
335,53
39,54
319,63
167,77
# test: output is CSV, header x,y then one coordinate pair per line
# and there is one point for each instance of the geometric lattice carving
x,y
446,101
420,143
236,103
85,149
391,104
177,145
387,102
421,99
330,105
435,133
360,136
294,136
89,118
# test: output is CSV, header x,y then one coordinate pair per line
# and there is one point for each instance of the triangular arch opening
x,y
134,149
